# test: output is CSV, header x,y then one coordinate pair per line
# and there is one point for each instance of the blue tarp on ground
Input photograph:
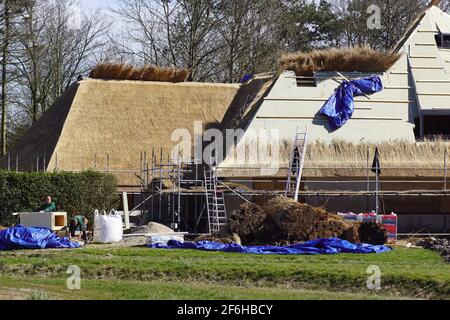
x,y
21,237
340,107
320,246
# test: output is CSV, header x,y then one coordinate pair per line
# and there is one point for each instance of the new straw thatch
x,y
346,159
117,71
107,124
358,59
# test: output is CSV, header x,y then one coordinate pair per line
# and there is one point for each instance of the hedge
x,y
74,193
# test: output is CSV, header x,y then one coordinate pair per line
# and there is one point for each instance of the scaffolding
x,y
174,192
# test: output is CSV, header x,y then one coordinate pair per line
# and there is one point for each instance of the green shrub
x,y
72,192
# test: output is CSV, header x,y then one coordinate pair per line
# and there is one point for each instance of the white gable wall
x,y
419,83
430,65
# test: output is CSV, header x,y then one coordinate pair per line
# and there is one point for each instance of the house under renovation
x,y
127,128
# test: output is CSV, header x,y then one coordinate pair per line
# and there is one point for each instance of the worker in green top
x,y
47,206
78,223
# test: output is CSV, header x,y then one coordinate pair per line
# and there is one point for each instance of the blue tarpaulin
x,y
21,237
247,77
340,106
320,246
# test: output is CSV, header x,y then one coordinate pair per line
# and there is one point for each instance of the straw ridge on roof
x,y
357,59
117,71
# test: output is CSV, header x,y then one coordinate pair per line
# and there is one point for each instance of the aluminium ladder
x,y
296,163
215,202
249,100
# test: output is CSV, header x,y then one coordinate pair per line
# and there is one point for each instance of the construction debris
x,y
139,236
223,236
370,232
440,245
158,228
284,221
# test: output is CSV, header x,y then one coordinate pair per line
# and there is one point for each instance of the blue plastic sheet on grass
x,y
320,246
21,237
340,106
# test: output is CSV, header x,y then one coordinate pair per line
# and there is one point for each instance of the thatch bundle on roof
x,y
117,71
358,59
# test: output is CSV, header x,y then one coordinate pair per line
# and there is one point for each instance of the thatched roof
x,y
344,159
119,119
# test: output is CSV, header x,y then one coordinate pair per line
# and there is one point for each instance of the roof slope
x,y
35,148
428,63
120,119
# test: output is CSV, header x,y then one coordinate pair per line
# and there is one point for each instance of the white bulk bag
x,y
107,228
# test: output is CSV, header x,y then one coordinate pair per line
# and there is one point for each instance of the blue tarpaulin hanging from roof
x,y
21,237
340,106
320,246
247,77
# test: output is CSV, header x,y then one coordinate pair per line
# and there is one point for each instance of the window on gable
x,y
436,126
306,82
443,40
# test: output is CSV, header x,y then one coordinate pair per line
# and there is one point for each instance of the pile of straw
x,y
117,71
284,221
246,220
357,59
293,221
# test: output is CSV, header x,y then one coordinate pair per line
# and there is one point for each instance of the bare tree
x,y
180,33
9,10
6,17
396,16
52,51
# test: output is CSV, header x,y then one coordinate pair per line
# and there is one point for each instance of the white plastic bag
x,y
107,228
164,239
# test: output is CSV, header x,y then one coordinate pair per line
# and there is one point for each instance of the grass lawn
x,y
142,273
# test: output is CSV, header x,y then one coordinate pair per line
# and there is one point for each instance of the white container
x,y
55,221
107,227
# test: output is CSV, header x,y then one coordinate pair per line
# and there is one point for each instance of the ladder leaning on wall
x,y
215,202
296,163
